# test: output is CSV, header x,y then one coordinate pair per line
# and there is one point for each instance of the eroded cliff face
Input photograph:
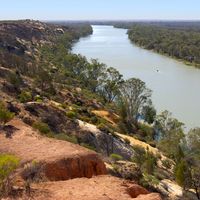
x,y
75,167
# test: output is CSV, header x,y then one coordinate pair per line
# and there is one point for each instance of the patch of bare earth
x,y
96,188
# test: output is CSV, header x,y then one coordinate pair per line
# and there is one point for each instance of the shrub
x,y
71,114
149,180
145,159
38,98
15,79
105,128
180,172
42,127
116,157
122,127
139,156
101,126
94,120
149,164
5,114
146,131
25,96
84,118
8,163
32,171
64,105
167,163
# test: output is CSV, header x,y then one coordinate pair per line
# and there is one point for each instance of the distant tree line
x,y
180,43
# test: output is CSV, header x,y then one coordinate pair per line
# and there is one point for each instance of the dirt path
x,y
97,188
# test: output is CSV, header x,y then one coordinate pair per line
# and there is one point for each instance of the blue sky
x,y
100,9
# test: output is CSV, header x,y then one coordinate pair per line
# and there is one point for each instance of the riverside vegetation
x,y
177,40
38,70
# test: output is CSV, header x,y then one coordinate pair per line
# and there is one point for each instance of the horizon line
x,y
106,20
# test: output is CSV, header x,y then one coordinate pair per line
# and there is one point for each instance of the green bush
x,y
144,159
84,118
16,80
149,164
115,157
139,155
71,114
42,127
25,96
149,180
146,131
8,163
180,172
101,126
5,114
94,120
167,163
38,98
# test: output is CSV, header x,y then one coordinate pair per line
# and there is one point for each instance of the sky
x,y
100,9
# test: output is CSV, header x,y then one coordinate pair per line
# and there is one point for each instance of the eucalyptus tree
x,y
111,84
133,97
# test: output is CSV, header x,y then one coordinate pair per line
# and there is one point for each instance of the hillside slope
x,y
60,160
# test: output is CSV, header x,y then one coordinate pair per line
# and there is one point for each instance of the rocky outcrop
x,y
58,160
153,150
127,170
170,189
106,143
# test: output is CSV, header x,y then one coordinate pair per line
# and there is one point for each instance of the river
x,y
175,86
